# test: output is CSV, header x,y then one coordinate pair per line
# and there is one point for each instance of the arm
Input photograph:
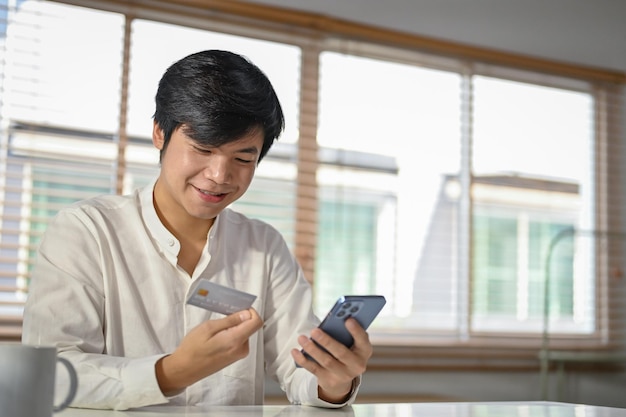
x,y
289,314
66,309
339,369
114,316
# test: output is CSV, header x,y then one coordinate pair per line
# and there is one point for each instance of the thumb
x,y
244,315
232,320
246,321
239,317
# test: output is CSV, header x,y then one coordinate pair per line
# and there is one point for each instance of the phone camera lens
x,y
341,313
354,309
347,305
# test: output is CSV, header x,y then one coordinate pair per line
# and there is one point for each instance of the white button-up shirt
x,y
107,291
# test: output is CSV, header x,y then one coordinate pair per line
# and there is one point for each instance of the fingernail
x,y
245,315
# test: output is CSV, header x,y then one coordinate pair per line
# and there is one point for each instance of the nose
x,y
218,169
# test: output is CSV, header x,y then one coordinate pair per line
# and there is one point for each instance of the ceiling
x,y
586,32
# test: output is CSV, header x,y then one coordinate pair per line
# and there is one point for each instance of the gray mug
x,y
27,380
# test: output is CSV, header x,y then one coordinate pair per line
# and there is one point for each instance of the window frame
x,y
304,30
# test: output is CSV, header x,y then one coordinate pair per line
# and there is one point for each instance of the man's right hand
x,y
206,349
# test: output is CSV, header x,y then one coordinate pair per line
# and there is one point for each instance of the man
x,y
113,273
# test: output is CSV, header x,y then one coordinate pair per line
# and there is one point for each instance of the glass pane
x,y
561,295
533,171
495,263
273,201
155,46
531,130
55,187
58,56
347,238
393,135
40,187
61,69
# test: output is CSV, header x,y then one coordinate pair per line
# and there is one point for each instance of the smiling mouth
x,y
210,193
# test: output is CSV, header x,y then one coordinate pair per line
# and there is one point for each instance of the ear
x,y
158,138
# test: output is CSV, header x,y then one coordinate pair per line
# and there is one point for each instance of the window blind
x,y
434,180
60,95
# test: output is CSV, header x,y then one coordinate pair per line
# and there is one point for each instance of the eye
x,y
202,150
245,161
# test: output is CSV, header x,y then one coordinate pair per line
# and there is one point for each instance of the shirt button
x,y
170,242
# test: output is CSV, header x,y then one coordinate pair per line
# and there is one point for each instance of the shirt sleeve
x,y
311,397
289,314
65,308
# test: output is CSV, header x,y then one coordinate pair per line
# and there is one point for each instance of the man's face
x,y
198,181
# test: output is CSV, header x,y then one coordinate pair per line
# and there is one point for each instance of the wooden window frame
x,y
314,33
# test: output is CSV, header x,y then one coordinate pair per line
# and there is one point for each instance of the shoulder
x,y
105,203
104,208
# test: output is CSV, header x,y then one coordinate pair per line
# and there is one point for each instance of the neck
x,y
175,219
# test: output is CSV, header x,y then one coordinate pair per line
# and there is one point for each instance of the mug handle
x,y
73,385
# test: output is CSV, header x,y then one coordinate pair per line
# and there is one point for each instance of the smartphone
x,y
363,308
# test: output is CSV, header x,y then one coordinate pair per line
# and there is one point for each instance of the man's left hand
x,y
336,368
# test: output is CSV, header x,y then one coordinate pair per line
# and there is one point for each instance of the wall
x,y
576,31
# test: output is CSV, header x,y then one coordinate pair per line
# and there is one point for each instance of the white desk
x,y
487,409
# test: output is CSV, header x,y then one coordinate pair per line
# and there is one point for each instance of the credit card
x,y
218,298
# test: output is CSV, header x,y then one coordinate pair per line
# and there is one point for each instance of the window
x,y
410,116
519,187
436,181
271,195
57,141
533,162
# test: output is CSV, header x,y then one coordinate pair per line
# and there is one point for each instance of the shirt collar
x,y
166,241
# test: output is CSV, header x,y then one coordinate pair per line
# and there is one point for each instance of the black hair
x,y
218,97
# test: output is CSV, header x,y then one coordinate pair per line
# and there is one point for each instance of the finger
x,y
254,314
332,347
245,318
305,362
250,321
305,358
320,354
362,345
301,360
352,361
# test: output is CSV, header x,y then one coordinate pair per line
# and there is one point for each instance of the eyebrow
x,y
253,150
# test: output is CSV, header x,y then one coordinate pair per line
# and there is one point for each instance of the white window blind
x,y
461,228
410,115
60,94
434,181
156,45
